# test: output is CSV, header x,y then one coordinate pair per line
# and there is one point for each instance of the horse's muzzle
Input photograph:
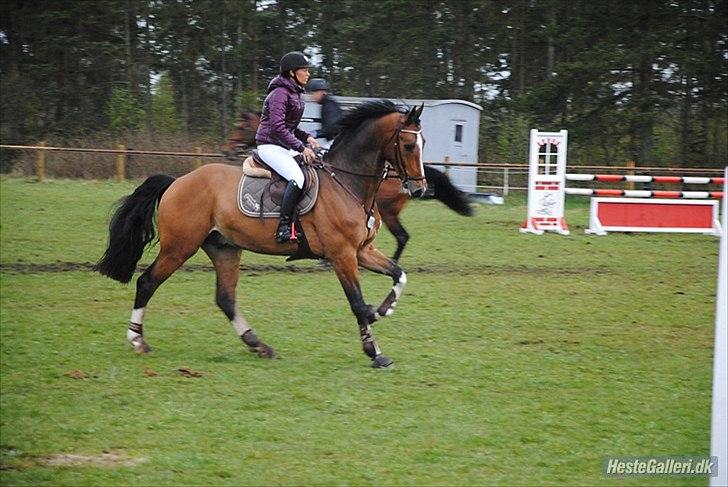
x,y
417,188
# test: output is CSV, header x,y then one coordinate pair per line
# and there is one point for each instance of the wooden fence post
x,y
197,161
505,181
120,162
630,171
40,162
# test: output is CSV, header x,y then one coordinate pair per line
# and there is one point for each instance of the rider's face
x,y
301,76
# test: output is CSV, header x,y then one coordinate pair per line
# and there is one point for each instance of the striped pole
x,y
644,194
616,178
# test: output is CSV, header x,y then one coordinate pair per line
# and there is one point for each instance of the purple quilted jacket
x,y
282,112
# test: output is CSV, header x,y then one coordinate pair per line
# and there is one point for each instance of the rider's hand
x,y
313,143
308,155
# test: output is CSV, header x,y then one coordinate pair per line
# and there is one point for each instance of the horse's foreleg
x,y
372,259
348,274
226,259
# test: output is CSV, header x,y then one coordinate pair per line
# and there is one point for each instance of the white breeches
x,y
281,160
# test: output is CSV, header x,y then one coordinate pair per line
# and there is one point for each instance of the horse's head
x,y
406,152
378,131
242,136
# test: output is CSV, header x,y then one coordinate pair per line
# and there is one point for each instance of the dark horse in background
x,y
391,200
200,210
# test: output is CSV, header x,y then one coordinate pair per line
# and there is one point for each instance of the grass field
x,y
519,359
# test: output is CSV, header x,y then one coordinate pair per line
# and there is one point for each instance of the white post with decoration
x,y
546,182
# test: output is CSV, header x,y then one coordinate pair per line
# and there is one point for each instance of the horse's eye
x,y
409,147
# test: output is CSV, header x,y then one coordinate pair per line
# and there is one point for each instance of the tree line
x,y
643,80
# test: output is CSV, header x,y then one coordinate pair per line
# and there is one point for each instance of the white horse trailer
x,y
450,127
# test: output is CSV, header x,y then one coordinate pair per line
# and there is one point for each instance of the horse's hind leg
x,y
226,259
163,266
391,221
372,259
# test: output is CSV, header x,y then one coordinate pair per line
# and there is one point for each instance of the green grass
x,y
519,359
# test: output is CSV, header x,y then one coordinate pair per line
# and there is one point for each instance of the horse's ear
x,y
408,116
413,116
419,112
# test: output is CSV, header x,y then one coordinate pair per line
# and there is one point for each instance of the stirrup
x,y
286,232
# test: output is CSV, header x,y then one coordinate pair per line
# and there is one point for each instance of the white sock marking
x,y
132,336
399,287
239,324
137,316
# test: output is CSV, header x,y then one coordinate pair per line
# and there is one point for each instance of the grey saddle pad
x,y
254,196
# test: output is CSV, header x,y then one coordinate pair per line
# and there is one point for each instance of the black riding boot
x,y
290,199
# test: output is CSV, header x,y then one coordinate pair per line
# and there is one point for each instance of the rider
x,y
278,137
330,110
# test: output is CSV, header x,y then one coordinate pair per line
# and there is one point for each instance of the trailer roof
x,y
407,101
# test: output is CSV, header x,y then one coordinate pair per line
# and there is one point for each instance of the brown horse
x,y
391,199
199,210
242,136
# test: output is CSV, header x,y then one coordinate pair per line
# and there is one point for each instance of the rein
x,y
330,169
327,166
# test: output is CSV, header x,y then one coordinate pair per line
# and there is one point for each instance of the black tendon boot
x,y
290,199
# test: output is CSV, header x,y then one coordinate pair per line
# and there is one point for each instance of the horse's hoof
x,y
384,311
264,351
141,347
372,314
382,362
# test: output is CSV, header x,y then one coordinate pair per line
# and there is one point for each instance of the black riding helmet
x,y
294,60
317,84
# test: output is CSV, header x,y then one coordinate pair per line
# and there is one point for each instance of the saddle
x,y
261,189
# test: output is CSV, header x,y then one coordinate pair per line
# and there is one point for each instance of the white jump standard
x,y
546,181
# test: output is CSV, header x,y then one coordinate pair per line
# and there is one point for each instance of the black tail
x,y
455,199
132,228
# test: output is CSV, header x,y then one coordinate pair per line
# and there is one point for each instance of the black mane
x,y
370,110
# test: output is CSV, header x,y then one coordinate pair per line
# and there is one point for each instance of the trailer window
x,y
458,132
